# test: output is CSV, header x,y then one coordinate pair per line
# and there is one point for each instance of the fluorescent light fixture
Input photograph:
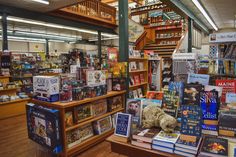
x,y
21,20
42,1
199,6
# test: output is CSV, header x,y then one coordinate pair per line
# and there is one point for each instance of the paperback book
x,y
145,135
165,139
123,123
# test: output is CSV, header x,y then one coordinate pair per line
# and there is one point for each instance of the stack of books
x,y
165,141
214,147
185,148
143,137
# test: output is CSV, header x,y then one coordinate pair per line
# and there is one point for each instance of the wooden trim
x,y
14,101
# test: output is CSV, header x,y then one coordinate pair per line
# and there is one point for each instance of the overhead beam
x,y
32,15
181,9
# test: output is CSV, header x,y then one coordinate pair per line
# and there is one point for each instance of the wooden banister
x,y
180,41
141,41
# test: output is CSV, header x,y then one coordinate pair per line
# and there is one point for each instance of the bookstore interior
x,y
107,78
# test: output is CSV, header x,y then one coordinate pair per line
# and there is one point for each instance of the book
x,y
142,79
69,119
161,148
166,139
140,92
214,88
102,125
232,148
141,66
192,146
155,95
133,66
136,80
85,132
182,153
214,147
131,95
115,103
135,94
178,87
145,135
43,127
230,98
123,124
209,105
131,81
191,94
133,107
227,125
170,103
202,79
141,144
228,86
191,120
210,129
95,77
83,112
99,108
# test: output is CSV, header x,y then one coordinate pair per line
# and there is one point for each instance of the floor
x,y
15,143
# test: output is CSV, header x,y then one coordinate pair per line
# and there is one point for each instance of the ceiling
x,y
222,12
34,6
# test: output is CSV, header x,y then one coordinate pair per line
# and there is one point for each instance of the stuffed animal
x,y
155,117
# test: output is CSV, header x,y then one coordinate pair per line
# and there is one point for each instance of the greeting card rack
x,y
64,107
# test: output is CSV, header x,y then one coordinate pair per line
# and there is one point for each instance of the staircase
x,y
161,50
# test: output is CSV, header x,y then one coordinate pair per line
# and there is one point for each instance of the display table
x,y
134,151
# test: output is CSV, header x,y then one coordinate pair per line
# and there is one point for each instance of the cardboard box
x,y
95,77
46,88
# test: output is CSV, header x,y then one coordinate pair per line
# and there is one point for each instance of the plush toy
x,y
155,117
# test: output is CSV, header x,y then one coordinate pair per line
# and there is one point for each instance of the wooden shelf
x,y
76,103
87,143
1,77
141,84
163,29
10,89
93,119
14,101
137,71
137,58
128,149
168,38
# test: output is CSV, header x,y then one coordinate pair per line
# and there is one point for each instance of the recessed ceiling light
x,y
42,1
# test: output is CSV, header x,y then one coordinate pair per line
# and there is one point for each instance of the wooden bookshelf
x,y
138,85
68,106
127,149
137,71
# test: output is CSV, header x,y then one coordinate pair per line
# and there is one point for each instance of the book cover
x,y
178,87
155,95
136,80
142,78
189,144
141,66
135,93
140,92
133,66
69,119
123,124
83,112
198,78
214,88
115,103
209,105
131,81
99,108
43,127
191,120
170,103
167,137
191,94
72,138
145,135
131,95
214,146
133,107
230,98
228,86
227,125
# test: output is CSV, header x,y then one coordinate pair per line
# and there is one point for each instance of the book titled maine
x,y
229,86
191,120
209,105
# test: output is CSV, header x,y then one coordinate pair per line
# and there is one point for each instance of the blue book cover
x,y
123,122
191,120
209,105
178,87
209,127
44,127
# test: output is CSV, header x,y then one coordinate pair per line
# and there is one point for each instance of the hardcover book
x,y
170,103
142,78
214,147
228,86
227,125
155,95
140,92
209,105
166,139
115,103
136,79
43,127
102,125
178,87
83,112
135,93
145,135
191,94
123,123
189,144
191,120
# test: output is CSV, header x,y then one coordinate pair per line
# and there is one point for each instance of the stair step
x,y
155,44
159,48
165,53
164,50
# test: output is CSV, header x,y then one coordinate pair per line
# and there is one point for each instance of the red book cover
x,y
155,95
142,78
229,86
136,79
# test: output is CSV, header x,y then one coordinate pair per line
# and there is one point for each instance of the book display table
x,y
134,151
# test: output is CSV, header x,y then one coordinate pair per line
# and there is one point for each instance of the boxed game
x,y
46,88
102,125
100,107
83,112
73,138
43,127
85,132
115,103
118,84
78,93
69,118
95,77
